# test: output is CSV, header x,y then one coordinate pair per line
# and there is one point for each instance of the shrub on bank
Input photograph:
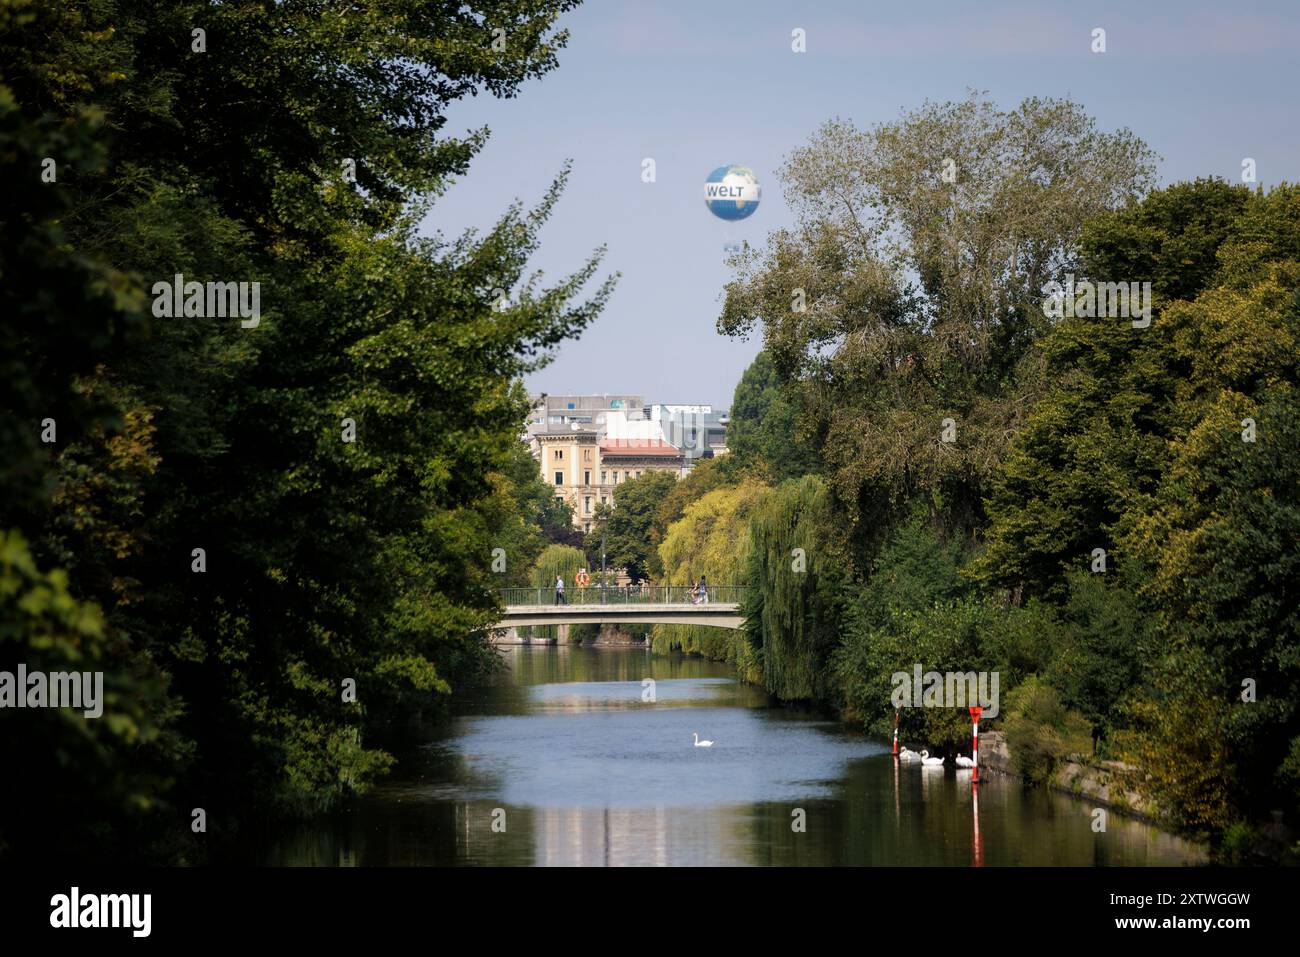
x,y
1041,731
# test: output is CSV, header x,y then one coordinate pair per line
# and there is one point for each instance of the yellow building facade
x,y
584,470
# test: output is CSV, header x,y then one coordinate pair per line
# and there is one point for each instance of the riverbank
x,y
1116,786
1108,784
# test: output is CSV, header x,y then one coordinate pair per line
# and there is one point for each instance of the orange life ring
x,y
582,579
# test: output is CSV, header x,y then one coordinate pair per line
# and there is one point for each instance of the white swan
x,y
929,762
963,762
699,743
906,755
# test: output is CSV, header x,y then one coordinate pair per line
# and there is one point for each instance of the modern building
x,y
551,413
699,431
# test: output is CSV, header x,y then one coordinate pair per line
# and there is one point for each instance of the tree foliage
x,y
763,432
1113,530
1152,444
627,529
909,290
792,607
325,559
704,542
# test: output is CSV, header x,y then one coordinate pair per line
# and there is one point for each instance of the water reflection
x,y
566,755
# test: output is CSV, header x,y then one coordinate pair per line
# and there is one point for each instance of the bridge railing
x,y
624,595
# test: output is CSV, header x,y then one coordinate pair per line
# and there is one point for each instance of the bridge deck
x,y
716,614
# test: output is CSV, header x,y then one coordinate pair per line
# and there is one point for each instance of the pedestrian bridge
x,y
629,605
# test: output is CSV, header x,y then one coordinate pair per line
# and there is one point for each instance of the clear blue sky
x,y
697,84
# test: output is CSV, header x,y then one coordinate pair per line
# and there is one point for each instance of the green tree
x,y
1102,639
1098,437
796,588
910,290
559,561
1223,545
1171,238
627,528
763,433
708,475
347,463
97,787
531,517
1152,444
1041,730
916,608
710,541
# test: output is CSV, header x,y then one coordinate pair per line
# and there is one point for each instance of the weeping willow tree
x,y
796,577
559,561
710,540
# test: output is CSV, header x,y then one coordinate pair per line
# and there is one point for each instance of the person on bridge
x,y
704,591
559,590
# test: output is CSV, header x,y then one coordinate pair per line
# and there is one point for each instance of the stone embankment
x,y
1111,784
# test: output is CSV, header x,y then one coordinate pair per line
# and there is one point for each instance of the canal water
x,y
572,764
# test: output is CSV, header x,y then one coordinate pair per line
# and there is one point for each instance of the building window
x,y
586,505
586,478
586,455
559,478
604,478
559,453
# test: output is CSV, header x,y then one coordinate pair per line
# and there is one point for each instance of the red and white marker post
x,y
975,712
895,732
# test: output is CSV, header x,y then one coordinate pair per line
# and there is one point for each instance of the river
x,y
563,761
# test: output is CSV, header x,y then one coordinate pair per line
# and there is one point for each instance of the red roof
x,y
638,447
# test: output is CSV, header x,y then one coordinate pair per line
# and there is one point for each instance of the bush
x,y
1040,730
1238,840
